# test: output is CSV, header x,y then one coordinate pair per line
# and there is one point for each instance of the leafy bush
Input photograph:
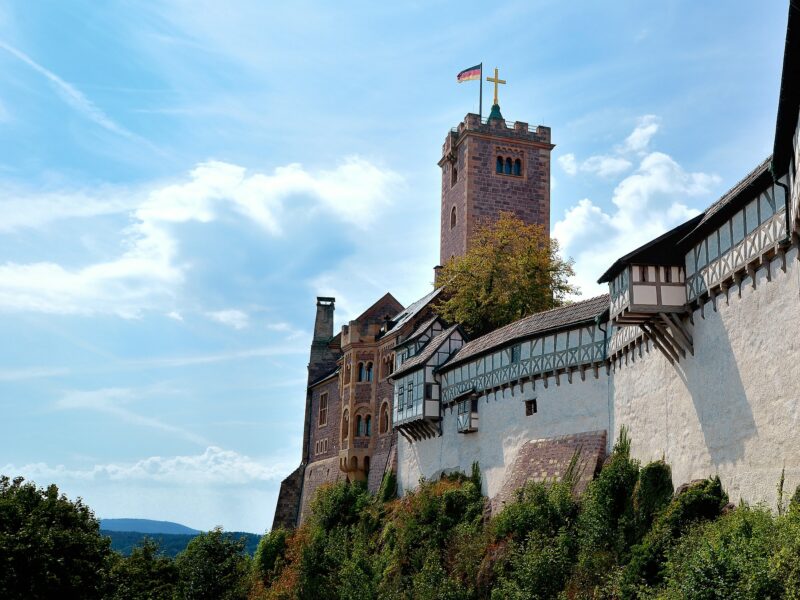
x,y
726,558
701,501
651,495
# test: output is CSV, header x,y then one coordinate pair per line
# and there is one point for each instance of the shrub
x,y
268,558
652,493
727,558
701,501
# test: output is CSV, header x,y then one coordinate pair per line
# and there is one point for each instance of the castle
x,y
695,349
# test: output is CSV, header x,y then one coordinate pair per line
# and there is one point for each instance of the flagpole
x,y
480,100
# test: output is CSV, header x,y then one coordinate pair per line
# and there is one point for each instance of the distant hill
x,y
171,543
146,526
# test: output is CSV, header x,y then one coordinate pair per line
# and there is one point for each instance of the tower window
x,y
368,372
518,167
384,422
499,167
362,372
453,175
453,218
507,169
368,425
323,410
359,430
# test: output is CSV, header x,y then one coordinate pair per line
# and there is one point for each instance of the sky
x,y
179,181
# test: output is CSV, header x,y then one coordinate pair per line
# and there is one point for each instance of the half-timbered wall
x,y
733,408
410,389
412,348
742,240
546,354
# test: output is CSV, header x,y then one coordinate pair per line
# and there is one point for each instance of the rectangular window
x,y
713,247
428,391
738,227
516,353
410,395
323,409
751,216
530,407
725,238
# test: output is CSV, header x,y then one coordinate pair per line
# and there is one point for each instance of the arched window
x,y
453,218
368,372
345,425
507,170
366,465
384,422
361,372
499,167
359,433
368,425
518,167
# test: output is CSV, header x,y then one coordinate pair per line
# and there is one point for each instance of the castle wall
x,y
504,428
733,409
317,474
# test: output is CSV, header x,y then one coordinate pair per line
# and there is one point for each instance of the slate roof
x,y
659,251
789,97
324,377
419,331
405,315
427,352
550,320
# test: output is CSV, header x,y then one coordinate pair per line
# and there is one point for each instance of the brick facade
x,y
478,192
548,459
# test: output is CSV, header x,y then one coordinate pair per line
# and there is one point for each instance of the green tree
x,y
214,566
144,575
50,546
510,271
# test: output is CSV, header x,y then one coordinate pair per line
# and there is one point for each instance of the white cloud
x,y
646,127
606,166
113,401
649,201
147,274
175,315
568,163
214,466
231,317
32,373
71,95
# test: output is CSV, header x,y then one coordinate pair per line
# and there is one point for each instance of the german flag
x,y
469,74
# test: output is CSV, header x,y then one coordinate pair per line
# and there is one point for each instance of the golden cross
x,y
495,81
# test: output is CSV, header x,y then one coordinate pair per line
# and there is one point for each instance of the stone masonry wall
x,y
548,460
320,473
288,500
331,430
733,409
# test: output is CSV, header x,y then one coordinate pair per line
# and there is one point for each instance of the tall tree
x,y
214,566
510,271
50,547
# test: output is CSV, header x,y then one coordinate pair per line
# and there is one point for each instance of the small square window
x,y
530,407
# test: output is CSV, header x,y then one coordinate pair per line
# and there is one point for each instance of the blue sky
x,y
179,180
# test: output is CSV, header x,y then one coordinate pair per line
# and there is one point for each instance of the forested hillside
x,y
170,544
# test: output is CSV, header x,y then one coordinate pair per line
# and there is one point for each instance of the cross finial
x,y
495,80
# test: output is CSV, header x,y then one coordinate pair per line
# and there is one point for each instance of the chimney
x,y
437,271
323,325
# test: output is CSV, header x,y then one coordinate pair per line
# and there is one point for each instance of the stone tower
x,y
488,168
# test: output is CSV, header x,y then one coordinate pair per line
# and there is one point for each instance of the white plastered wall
x,y
733,409
562,409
